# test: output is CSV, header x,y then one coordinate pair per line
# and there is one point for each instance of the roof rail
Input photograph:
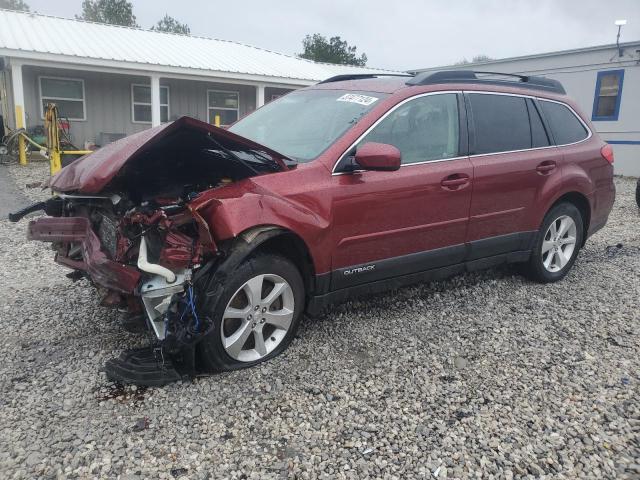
x,y
470,76
362,76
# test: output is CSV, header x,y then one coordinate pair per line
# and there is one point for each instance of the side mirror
x,y
378,156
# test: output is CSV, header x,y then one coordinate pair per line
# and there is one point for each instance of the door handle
x,y
546,167
453,182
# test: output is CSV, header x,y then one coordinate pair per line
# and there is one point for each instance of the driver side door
x,y
388,224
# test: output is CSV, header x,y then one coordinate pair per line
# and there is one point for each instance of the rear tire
x,y
256,316
557,244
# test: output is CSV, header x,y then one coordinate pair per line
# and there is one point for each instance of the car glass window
x,y
303,124
564,124
423,129
539,136
501,123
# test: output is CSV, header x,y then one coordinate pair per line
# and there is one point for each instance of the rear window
x,y
501,123
539,136
565,126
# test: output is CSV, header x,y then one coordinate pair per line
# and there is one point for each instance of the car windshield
x,y
303,124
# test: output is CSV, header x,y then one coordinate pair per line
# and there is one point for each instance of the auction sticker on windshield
x,y
355,98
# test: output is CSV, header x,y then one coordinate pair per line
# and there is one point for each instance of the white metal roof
x,y
46,38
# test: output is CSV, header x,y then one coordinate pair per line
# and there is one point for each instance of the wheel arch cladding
x,y
256,240
288,244
581,202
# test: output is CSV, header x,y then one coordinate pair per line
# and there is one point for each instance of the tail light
x,y
607,153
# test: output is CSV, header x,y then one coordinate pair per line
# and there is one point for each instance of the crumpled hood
x,y
91,174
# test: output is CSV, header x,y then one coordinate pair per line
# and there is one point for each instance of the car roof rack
x,y
362,76
487,78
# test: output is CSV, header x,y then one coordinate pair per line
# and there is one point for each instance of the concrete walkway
x,y
11,199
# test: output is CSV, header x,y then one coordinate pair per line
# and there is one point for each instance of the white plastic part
x,y
154,268
156,295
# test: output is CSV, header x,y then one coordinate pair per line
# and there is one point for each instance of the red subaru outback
x,y
221,239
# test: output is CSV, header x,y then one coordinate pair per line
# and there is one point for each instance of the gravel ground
x,y
482,376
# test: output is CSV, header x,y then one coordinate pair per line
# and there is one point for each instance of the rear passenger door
x,y
513,159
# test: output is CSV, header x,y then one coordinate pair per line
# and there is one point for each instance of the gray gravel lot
x,y
483,376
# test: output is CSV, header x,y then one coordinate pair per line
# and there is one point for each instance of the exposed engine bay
x,y
125,220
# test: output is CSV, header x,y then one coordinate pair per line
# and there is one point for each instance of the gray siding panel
x,y
108,101
190,98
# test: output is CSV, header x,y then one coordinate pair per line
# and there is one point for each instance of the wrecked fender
x,y
235,210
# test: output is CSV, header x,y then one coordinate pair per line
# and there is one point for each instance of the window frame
x,y
462,130
469,131
535,109
209,107
134,103
472,125
547,123
596,96
84,96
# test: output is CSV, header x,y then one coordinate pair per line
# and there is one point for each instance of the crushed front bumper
x,y
77,231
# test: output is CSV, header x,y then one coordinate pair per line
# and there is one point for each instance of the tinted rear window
x,y
501,123
566,128
539,136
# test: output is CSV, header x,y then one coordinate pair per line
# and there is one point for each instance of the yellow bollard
x,y
55,162
22,149
217,120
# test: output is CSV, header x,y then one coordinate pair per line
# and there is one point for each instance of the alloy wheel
x,y
559,243
257,318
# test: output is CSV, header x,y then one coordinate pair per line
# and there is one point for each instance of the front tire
x,y
256,316
557,244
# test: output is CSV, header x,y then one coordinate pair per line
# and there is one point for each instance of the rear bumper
x,y
77,230
602,202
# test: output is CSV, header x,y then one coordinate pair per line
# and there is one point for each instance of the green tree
x,y
477,59
14,5
113,12
170,24
317,48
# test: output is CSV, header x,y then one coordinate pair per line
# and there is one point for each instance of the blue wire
x,y
166,320
193,307
190,304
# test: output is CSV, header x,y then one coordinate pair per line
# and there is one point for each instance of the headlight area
x,y
146,257
169,252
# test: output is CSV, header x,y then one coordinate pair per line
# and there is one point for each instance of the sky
x,y
400,34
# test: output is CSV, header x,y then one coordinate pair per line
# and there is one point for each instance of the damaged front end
x,y
123,217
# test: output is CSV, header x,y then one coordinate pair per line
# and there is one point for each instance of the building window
x,y
141,103
66,93
225,105
606,103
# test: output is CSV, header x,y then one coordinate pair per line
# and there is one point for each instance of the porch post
x,y
155,100
18,105
259,96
